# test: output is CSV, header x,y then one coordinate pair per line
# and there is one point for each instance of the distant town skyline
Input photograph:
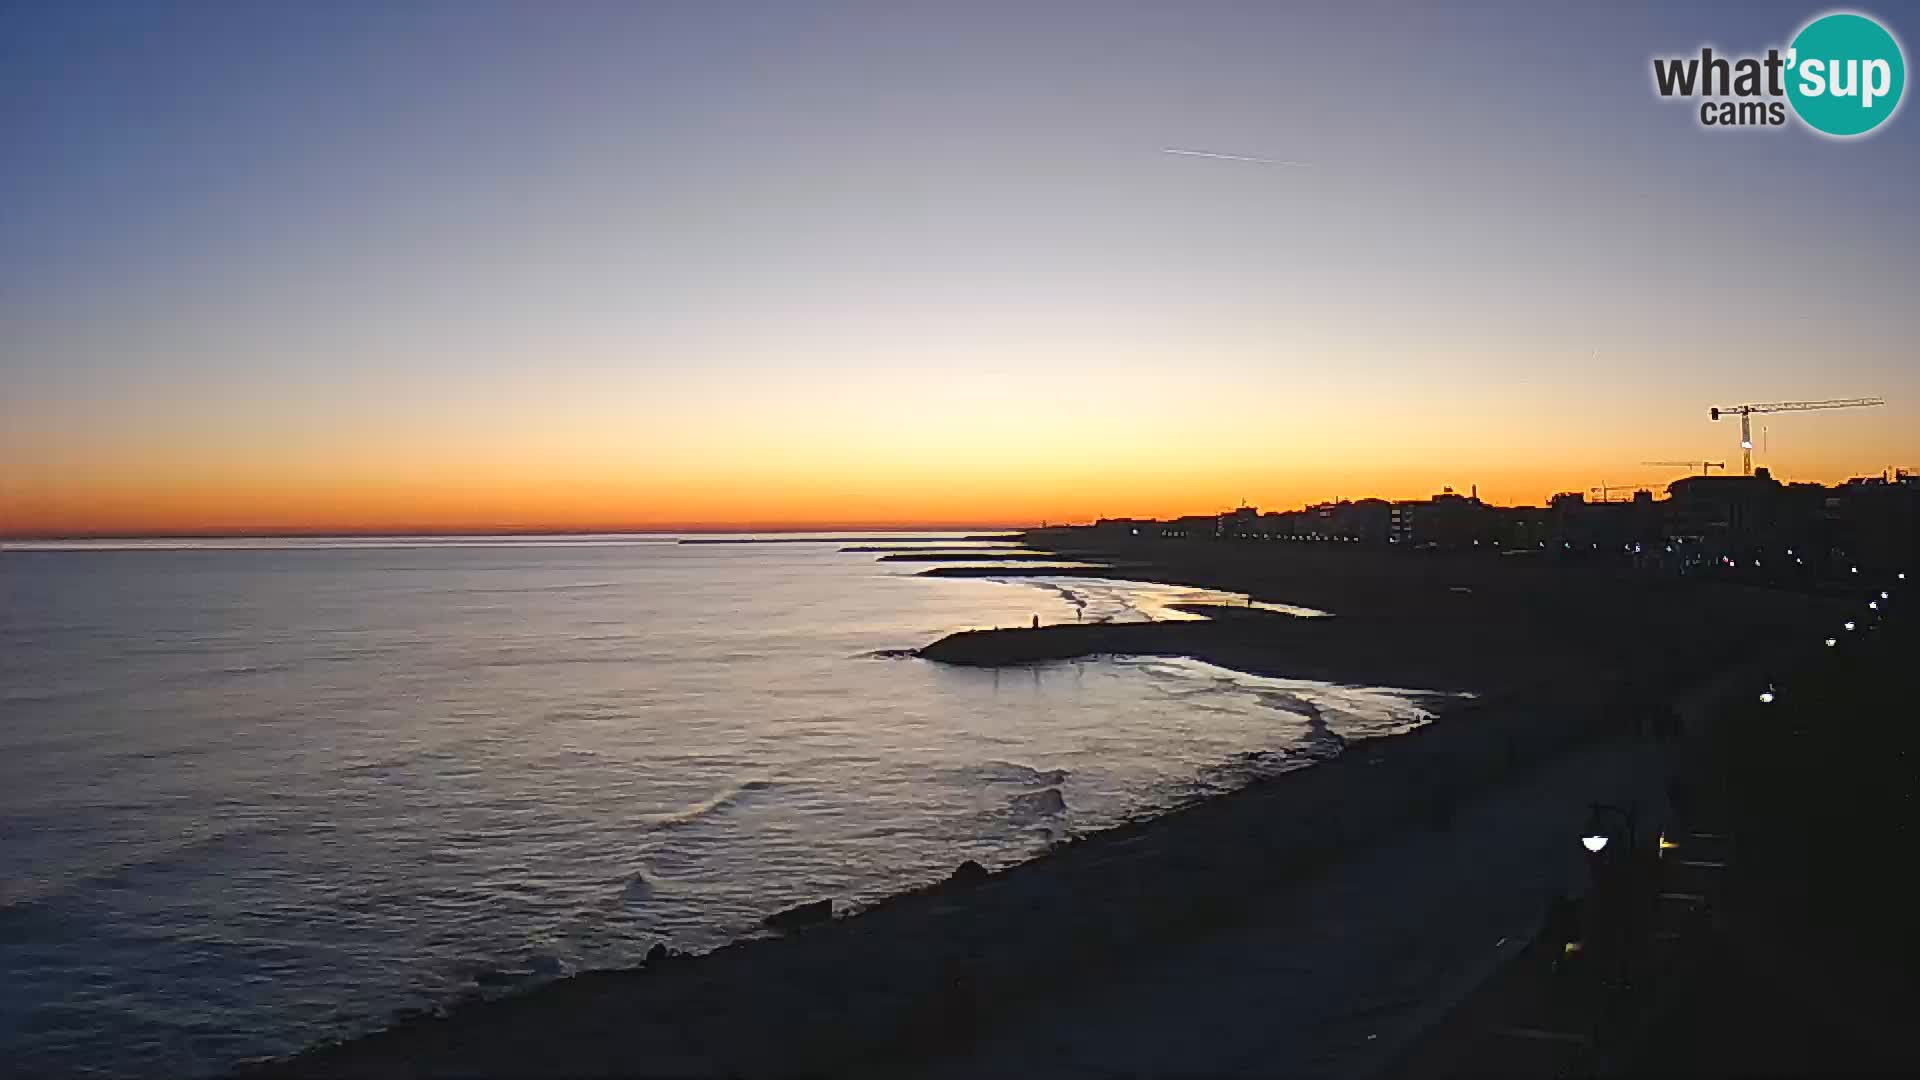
x,y
462,267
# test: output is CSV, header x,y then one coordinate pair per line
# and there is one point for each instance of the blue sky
x,y
344,242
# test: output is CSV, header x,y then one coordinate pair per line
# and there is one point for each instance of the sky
x,y
359,267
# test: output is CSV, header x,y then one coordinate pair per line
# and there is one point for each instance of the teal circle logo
x,y
1845,73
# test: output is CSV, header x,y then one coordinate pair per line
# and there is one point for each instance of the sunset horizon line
x,y
22,523
372,532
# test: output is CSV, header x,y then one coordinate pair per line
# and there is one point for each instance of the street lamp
x,y
1597,835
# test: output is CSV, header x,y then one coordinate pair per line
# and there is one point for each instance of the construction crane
x,y
1704,466
1746,412
1604,489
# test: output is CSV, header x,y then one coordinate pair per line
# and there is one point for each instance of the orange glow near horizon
x,y
847,449
263,496
858,448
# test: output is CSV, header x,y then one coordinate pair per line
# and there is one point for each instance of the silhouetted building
x,y
1723,516
1448,520
1874,521
1366,521
1631,531
1192,527
1751,527
1242,523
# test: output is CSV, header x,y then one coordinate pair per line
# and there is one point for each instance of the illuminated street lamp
x,y
1849,624
1766,696
1597,835
1831,642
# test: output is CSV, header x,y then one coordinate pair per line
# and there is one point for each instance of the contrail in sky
x,y
1238,157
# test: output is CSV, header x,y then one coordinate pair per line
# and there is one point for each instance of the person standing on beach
x,y
1036,622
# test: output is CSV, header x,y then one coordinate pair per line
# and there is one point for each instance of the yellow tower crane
x,y
1747,411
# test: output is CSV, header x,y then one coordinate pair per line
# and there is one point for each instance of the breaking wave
x,y
696,811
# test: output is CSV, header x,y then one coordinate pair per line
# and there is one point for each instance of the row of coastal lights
x,y
1767,695
1595,839
1798,561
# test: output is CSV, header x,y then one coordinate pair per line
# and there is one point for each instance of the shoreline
x,y
880,987
1003,928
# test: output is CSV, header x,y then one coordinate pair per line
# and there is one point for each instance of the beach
x,y
1560,664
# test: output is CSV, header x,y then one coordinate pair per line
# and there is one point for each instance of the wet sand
x,y
1558,660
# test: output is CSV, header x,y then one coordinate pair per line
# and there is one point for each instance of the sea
x,y
256,793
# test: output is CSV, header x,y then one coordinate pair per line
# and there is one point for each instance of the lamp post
x,y
1599,836
1614,926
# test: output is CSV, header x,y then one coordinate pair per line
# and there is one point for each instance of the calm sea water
x,y
257,793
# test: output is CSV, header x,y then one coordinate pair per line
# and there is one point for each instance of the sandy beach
x,y
1567,669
